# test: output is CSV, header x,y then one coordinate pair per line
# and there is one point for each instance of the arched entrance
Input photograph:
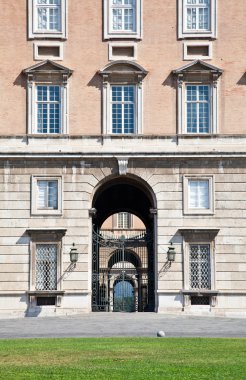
x,y
123,267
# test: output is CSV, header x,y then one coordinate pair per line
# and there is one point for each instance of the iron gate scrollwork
x,y
122,272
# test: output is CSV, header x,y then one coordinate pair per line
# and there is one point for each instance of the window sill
x,y
202,292
46,293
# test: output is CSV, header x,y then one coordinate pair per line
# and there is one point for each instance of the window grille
x,y
197,15
47,194
123,15
48,15
200,273
198,194
197,108
123,109
48,99
46,267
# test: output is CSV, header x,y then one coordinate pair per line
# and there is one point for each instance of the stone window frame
x,y
45,236
197,177
120,44
38,44
121,73
199,236
34,198
183,33
47,73
187,44
197,73
33,33
110,34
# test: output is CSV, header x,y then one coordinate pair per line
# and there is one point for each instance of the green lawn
x,y
123,358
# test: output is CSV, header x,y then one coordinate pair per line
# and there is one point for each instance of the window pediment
x,y
46,68
123,68
198,67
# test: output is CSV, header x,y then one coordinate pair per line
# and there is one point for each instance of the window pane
x,y
47,194
48,109
123,13
198,194
198,108
123,109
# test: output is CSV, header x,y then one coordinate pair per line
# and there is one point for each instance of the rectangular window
x,y
47,195
48,15
122,19
197,18
47,19
197,108
46,267
123,220
197,15
48,109
198,194
199,266
123,15
123,109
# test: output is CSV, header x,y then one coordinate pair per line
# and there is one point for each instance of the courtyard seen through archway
x,y
123,262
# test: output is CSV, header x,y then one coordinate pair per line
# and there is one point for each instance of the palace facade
x,y
122,157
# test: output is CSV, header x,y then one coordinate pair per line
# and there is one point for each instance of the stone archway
x,y
123,194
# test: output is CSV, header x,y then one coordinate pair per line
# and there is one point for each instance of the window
x,y
46,267
197,18
197,108
46,195
47,18
199,266
122,97
197,92
198,195
47,98
123,220
123,109
122,19
48,109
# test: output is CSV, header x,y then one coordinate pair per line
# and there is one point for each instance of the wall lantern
x,y
73,254
171,253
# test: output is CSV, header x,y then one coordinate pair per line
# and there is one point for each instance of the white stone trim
x,y
186,209
107,109
187,57
37,44
33,33
108,34
34,200
182,33
181,114
112,57
31,104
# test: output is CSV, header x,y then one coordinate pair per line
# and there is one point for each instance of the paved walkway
x,y
122,324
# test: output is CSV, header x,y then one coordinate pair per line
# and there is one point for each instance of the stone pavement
x,y
122,324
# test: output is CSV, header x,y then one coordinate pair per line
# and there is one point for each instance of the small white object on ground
x,y
160,334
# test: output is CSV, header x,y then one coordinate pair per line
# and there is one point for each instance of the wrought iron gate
x,y
122,272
